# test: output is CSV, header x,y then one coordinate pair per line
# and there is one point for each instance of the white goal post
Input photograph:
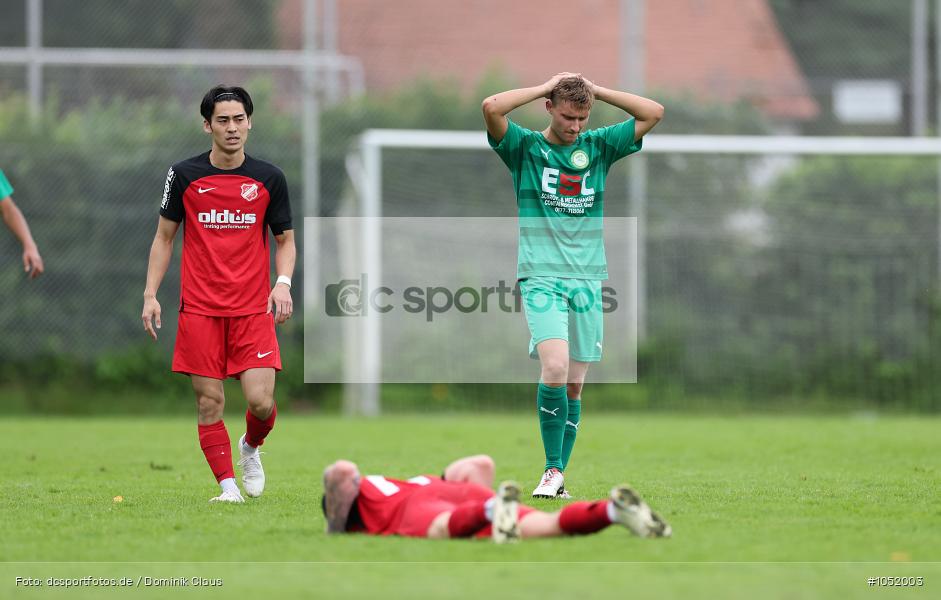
x,y
364,167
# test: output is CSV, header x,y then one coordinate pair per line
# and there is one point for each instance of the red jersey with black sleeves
x,y
225,270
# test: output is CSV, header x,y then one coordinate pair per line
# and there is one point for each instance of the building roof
x,y
726,50
722,50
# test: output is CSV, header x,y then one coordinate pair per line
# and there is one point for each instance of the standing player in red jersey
x,y
228,308
461,504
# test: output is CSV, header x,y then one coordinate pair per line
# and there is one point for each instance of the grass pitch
x,y
770,507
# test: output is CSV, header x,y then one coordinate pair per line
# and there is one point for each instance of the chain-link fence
x,y
767,274
88,162
770,272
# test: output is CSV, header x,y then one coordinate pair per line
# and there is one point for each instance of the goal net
x,y
738,264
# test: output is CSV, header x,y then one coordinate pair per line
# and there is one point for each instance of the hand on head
x,y
555,79
591,86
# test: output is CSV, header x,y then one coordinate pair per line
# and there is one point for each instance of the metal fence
x,y
735,247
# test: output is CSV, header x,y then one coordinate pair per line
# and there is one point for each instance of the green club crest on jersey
x,y
579,159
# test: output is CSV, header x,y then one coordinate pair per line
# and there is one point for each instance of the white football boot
x,y
253,476
505,524
229,496
631,511
552,482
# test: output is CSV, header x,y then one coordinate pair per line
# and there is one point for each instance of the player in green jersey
x,y
16,222
559,180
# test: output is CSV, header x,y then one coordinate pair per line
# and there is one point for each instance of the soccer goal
x,y
747,248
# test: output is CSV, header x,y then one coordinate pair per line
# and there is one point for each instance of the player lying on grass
x,y
462,504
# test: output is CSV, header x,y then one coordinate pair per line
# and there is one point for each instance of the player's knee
x,y
555,370
210,405
574,389
260,406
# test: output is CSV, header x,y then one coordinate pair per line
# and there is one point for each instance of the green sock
x,y
571,430
553,411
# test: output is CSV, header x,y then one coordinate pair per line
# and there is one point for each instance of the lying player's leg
x,y
496,516
624,507
504,519
258,387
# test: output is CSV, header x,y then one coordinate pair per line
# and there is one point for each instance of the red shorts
x,y
221,347
439,497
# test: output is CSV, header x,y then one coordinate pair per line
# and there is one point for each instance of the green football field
x,y
761,507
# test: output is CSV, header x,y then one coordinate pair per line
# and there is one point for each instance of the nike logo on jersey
x,y
204,190
551,412
545,153
260,355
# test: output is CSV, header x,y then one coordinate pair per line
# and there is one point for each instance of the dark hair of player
x,y
223,93
574,90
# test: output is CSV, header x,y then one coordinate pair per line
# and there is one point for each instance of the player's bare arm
x,y
340,485
285,256
477,469
16,222
646,112
160,252
498,106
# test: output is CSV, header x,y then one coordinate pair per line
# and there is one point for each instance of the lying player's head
x,y
227,116
569,105
340,488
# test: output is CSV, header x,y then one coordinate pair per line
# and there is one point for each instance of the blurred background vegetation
x,y
805,283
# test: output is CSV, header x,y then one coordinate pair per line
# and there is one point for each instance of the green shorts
x,y
565,309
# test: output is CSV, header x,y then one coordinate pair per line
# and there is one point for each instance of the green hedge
x,y
837,305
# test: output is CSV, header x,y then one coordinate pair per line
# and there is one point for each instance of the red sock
x,y
214,440
467,519
584,517
257,430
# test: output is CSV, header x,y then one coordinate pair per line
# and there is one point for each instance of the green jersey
x,y
5,188
560,196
